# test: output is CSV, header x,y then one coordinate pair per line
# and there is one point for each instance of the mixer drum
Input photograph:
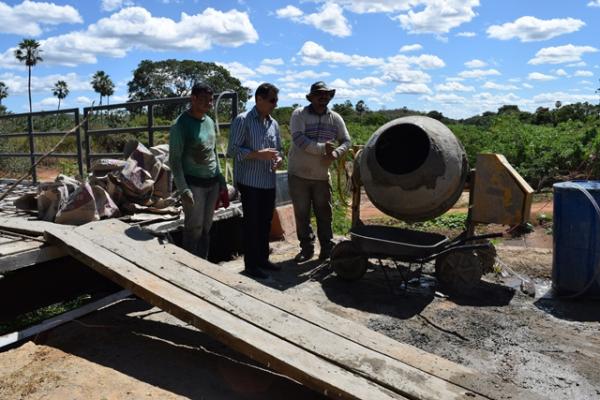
x,y
413,168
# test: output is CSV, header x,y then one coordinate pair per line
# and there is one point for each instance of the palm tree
x,y
29,53
103,85
3,91
61,90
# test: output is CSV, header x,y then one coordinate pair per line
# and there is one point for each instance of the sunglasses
x,y
273,100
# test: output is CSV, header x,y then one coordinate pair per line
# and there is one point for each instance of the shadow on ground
x,y
175,358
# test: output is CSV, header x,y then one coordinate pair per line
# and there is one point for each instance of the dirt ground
x,y
547,345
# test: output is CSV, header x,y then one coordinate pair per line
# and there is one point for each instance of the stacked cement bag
x,y
140,183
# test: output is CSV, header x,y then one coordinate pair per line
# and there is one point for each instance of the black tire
x,y
348,262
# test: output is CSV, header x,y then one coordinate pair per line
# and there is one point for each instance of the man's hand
x,y
187,198
277,163
223,199
329,148
269,154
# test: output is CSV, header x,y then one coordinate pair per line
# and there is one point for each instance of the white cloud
x,y
111,5
561,54
272,61
466,34
497,86
528,86
530,29
29,17
238,70
267,70
537,76
289,12
453,86
594,3
438,16
583,73
577,64
84,100
376,6
368,81
475,63
425,61
444,98
39,84
561,72
135,27
402,73
340,84
549,99
330,18
478,73
412,88
308,74
314,54
411,47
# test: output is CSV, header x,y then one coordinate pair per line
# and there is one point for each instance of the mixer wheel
x,y
348,262
459,271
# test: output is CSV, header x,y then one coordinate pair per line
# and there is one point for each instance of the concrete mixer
x,y
414,169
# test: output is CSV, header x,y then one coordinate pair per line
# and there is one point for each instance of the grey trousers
x,y
310,194
198,219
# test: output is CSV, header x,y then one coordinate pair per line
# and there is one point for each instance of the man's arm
x,y
343,138
176,158
235,148
297,127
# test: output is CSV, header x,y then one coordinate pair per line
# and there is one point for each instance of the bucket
x,y
576,239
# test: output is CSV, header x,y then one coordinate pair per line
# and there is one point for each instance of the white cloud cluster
x,y
538,76
466,34
111,5
28,17
17,84
453,86
561,54
438,16
594,3
411,47
315,54
475,63
583,73
498,86
330,18
478,73
530,29
412,88
368,81
135,27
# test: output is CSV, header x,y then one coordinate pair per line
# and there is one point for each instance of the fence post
x,y
150,125
86,138
31,148
78,140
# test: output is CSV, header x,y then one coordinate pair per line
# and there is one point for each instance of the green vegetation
x,y
42,314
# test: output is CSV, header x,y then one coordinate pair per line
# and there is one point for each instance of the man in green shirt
x,y
195,166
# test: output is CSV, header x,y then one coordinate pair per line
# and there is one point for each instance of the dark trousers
x,y
258,206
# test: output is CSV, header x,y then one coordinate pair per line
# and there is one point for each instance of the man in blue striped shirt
x,y
255,146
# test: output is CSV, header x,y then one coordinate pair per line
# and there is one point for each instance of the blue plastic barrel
x,y
576,240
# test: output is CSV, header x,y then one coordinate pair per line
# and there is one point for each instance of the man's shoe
x,y
270,266
255,273
303,256
324,254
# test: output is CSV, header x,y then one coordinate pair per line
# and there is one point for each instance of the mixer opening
x,y
402,149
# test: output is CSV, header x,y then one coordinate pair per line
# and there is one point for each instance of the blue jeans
x,y
198,219
315,194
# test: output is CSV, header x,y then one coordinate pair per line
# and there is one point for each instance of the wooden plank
x,y
437,366
24,224
14,337
242,336
133,245
30,257
18,246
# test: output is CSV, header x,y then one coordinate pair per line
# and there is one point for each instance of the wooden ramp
x,y
324,352
22,243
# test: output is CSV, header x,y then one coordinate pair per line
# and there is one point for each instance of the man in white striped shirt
x,y
255,146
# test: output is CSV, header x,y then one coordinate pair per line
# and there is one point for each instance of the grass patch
x,y
41,314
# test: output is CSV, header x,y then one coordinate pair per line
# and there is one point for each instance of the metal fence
x,y
31,134
83,153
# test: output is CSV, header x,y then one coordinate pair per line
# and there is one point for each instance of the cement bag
x,y
105,206
144,157
53,196
163,185
136,182
80,207
27,202
161,152
102,166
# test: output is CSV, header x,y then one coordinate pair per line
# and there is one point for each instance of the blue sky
x,y
461,57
